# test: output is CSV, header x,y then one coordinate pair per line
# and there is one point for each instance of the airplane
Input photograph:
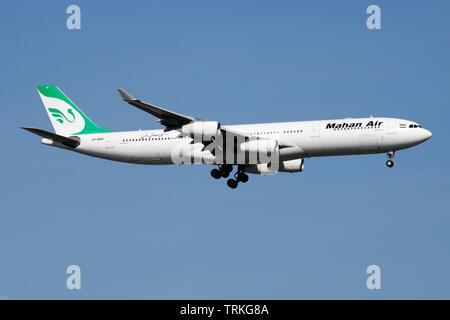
x,y
262,148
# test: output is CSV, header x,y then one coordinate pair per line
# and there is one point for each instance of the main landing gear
x,y
225,170
390,163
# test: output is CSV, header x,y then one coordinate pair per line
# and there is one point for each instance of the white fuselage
x,y
311,139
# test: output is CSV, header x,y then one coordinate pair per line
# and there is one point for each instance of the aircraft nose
x,y
426,134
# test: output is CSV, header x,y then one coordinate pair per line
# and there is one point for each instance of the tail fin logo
x,y
66,118
60,116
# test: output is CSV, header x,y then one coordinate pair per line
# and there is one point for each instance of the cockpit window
x,y
414,126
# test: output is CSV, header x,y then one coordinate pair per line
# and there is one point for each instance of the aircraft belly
x,y
344,144
368,141
138,151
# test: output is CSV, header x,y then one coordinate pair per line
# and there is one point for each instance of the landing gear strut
x,y
390,163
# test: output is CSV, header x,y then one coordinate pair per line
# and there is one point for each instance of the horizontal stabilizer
x,y
71,142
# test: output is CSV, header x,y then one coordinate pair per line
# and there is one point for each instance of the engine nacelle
x,y
296,165
260,150
262,168
203,130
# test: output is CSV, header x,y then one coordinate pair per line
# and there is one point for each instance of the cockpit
x,y
414,125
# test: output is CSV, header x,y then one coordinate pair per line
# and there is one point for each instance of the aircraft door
x,y
315,130
388,135
110,141
391,127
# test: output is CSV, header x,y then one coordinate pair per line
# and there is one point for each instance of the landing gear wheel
x,y
232,183
241,176
225,170
390,163
216,174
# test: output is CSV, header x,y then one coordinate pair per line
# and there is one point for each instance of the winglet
x,y
125,95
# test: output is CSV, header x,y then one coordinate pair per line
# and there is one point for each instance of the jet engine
x,y
266,146
260,150
262,168
296,165
203,130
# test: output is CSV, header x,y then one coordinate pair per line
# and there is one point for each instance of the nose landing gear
x,y
390,163
391,155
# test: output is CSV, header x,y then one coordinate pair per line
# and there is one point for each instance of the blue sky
x,y
174,232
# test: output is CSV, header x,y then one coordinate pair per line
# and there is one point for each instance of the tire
x,y
390,163
225,174
232,183
242,177
215,174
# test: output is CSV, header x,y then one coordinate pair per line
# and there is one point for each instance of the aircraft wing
x,y
170,119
